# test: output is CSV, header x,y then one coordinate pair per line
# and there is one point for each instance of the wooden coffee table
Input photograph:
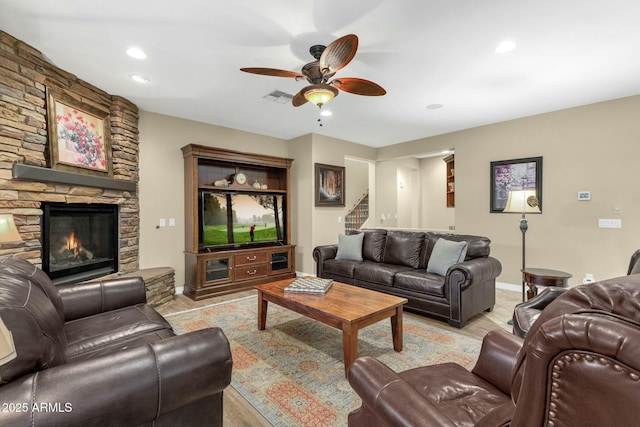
x,y
345,307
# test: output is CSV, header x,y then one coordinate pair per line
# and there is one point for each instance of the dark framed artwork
x,y
329,185
517,174
79,137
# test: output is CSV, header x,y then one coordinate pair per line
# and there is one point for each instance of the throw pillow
x,y
350,247
446,253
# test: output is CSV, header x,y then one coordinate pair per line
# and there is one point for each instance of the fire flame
x,y
72,243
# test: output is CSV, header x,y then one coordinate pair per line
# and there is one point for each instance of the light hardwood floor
x,y
239,413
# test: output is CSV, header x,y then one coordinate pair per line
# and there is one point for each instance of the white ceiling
x,y
423,52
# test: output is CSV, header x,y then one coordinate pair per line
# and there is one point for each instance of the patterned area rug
x,y
293,372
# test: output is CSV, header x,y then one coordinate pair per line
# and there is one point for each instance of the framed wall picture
x,y
517,174
79,138
329,185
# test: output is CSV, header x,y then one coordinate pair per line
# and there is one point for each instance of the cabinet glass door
x,y
279,261
217,269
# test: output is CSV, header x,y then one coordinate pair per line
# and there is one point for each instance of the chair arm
x,y
131,387
390,398
543,299
476,270
323,253
89,298
497,359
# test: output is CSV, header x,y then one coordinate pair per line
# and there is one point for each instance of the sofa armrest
x,y
497,359
131,387
390,398
476,270
89,298
323,253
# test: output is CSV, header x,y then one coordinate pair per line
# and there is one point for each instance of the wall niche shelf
x,y
451,180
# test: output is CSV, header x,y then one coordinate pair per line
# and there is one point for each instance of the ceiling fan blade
x,y
273,72
338,54
358,86
299,99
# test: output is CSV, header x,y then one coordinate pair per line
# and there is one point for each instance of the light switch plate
x,y
163,222
172,222
609,223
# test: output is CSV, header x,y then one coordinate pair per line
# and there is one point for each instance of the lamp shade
x,y
7,347
522,201
8,230
320,94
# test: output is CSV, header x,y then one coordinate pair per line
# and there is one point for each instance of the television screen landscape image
x,y
241,219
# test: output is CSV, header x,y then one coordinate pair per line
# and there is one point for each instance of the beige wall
x,y
162,180
594,148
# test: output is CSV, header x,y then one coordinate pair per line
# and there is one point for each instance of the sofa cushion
x,y
477,246
350,247
420,281
403,248
112,328
373,244
339,267
36,327
378,273
446,253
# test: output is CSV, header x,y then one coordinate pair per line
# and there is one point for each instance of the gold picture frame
x,y
79,137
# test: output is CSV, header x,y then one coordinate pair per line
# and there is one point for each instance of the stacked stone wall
x,y
25,77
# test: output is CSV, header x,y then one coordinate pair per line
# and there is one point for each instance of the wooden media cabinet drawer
x,y
258,257
251,271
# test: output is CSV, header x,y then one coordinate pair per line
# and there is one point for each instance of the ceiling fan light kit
x,y
319,94
328,61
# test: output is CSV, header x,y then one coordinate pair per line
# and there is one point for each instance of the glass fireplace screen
x,y
79,241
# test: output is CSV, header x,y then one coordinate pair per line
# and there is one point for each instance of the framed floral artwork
x,y
329,185
517,174
78,136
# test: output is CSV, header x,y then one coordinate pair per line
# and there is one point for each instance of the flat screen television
x,y
232,219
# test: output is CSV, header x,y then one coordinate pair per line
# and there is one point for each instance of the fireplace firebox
x,y
79,241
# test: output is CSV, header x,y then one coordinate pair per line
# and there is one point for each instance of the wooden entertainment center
x,y
219,269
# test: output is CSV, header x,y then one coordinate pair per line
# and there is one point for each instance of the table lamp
x,y
522,202
8,230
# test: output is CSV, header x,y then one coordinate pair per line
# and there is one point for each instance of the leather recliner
x,y
95,354
579,365
526,313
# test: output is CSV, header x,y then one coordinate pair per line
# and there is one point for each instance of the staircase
x,y
358,215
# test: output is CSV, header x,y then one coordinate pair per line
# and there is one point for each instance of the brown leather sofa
x,y
395,262
579,366
95,354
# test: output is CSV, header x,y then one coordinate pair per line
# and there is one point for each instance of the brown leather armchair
x,y
95,354
588,339
526,313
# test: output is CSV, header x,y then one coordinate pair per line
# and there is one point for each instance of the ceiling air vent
x,y
279,97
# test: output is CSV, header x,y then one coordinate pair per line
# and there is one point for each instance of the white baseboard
x,y
508,287
179,290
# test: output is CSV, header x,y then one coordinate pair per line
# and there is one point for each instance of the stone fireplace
x,y
28,183
79,241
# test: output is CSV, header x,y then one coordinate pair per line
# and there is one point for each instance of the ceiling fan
x,y
329,59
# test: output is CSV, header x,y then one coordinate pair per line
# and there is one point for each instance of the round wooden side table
x,y
533,277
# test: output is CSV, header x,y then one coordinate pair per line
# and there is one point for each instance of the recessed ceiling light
x,y
326,113
505,46
434,106
139,78
137,53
